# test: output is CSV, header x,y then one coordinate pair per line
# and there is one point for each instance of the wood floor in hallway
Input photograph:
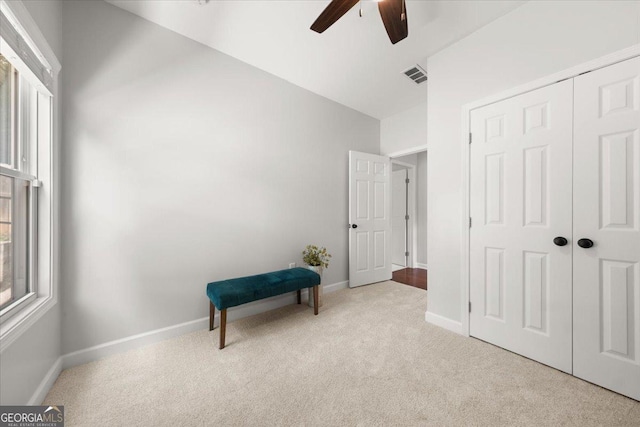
x,y
416,277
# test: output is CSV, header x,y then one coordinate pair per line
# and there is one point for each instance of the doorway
x,y
401,219
408,219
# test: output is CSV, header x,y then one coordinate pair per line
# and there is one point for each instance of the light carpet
x,y
367,359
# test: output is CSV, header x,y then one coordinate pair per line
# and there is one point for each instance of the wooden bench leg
x,y
212,315
299,297
315,299
223,326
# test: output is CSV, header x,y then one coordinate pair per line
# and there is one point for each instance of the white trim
x,y
47,382
408,151
17,10
413,215
136,341
615,57
465,280
100,351
421,265
444,322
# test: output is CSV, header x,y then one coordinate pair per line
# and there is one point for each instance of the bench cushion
x,y
233,292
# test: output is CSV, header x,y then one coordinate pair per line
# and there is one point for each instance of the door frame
x,y
412,244
465,282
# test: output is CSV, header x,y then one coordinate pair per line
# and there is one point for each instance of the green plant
x,y
315,256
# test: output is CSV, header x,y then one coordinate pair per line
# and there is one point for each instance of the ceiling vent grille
x,y
416,74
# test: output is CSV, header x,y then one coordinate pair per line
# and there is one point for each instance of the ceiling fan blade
x,y
331,14
394,17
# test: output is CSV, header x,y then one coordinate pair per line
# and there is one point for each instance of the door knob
x,y
354,225
560,241
585,243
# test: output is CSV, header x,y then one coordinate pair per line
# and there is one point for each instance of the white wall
x,y
412,159
25,363
182,166
421,208
398,212
533,41
420,161
405,130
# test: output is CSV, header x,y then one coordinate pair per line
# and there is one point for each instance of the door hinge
x,y
406,180
470,137
469,222
406,254
469,306
406,217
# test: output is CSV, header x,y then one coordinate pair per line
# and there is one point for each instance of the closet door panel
x,y
521,171
606,316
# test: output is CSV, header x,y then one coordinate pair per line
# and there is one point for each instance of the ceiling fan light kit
x,y
392,12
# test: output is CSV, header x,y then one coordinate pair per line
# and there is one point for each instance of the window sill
x,y
18,324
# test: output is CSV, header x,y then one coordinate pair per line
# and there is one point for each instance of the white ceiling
x,y
352,63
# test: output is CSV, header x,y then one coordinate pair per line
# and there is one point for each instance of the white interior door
x,y
369,218
399,217
520,199
606,318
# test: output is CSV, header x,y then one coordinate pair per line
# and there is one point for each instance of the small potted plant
x,y
317,259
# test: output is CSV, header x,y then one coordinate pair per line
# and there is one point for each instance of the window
x,y
18,148
28,86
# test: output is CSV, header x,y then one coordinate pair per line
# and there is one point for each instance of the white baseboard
x,y
444,322
135,341
46,383
100,351
420,265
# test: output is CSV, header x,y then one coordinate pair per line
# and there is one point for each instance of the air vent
x,y
416,74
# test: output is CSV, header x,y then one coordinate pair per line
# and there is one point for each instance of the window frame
x,y
44,189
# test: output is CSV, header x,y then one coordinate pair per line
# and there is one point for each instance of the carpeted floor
x,y
368,358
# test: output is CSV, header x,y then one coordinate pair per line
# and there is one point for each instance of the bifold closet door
x,y
521,172
606,309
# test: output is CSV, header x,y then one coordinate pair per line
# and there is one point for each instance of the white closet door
x,y
521,171
606,307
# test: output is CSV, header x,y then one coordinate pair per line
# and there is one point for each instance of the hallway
x,y
416,277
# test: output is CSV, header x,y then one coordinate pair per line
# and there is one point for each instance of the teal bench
x,y
234,292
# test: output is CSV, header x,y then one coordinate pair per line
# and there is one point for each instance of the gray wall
x,y
26,361
182,165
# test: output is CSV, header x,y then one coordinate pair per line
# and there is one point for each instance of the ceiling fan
x,y
392,12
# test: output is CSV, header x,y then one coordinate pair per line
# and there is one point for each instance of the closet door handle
x,y
560,241
585,243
